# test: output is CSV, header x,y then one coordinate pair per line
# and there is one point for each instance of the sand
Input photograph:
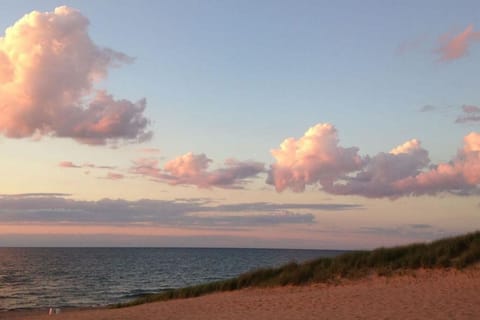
x,y
440,294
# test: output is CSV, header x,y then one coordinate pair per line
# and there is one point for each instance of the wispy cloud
x,y
464,114
411,45
470,113
470,109
70,164
150,150
427,108
420,226
33,195
456,46
408,231
114,176
193,169
48,68
317,159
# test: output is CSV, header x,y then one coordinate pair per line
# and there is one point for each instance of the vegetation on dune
x,y
457,252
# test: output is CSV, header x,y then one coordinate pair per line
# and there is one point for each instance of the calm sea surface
x,y
81,277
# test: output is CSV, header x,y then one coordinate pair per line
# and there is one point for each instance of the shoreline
x,y
424,293
41,311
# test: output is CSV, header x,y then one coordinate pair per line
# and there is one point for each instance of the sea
x,y
35,278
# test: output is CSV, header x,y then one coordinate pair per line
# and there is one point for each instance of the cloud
x,y
470,109
456,46
57,209
408,147
461,175
420,226
268,206
188,166
410,45
317,159
150,150
48,69
32,195
147,167
192,169
94,166
427,108
313,158
470,113
70,164
114,176
378,176
409,231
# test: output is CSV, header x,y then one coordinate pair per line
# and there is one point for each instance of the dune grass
x,y
457,252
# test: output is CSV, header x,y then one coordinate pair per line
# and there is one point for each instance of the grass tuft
x,y
458,252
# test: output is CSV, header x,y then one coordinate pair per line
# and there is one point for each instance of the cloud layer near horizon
x,y
45,208
192,169
317,159
48,68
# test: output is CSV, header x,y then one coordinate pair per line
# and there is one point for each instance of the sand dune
x,y
439,294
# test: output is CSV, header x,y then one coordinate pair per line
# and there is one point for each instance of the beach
x,y
421,294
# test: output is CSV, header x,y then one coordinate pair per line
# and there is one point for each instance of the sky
x,y
279,124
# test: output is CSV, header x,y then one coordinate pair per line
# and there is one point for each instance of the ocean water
x,y
85,277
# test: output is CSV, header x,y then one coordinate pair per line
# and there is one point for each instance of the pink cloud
x,y
147,167
114,176
460,175
192,169
470,109
317,159
68,164
48,69
408,147
311,159
188,165
456,46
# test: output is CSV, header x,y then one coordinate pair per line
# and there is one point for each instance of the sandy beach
x,y
439,294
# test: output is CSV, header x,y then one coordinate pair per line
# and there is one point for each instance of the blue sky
x,y
233,79
240,70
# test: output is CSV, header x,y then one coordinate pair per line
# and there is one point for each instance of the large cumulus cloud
x,y
48,69
317,159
